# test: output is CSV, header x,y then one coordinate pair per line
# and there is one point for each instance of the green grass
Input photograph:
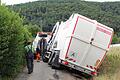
x,y
110,69
13,76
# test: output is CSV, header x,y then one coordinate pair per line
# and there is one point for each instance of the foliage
x,y
109,70
46,13
27,34
12,38
33,29
115,39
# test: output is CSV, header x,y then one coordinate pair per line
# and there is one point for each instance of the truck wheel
x,y
45,59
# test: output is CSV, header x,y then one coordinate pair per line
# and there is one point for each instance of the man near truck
x,y
38,53
29,56
43,47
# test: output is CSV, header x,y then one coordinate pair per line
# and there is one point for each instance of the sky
x,y
103,0
11,2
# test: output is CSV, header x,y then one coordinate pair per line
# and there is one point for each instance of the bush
x,y
12,39
110,68
115,39
33,29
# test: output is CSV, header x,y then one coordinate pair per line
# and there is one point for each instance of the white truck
x,y
81,44
53,36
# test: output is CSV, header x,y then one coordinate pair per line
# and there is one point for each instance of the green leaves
x,y
46,13
33,29
12,39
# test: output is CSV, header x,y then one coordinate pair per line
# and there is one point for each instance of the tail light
x,y
93,73
65,62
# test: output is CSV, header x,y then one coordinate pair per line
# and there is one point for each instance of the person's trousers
x,y
30,65
43,54
38,56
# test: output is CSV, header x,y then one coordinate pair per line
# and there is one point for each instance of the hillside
x,y
47,13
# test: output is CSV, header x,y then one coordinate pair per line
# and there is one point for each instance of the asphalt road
x,y
42,71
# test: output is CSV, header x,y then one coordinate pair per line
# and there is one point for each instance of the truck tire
x,y
45,59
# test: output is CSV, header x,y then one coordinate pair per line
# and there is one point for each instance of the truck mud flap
x,y
50,58
55,61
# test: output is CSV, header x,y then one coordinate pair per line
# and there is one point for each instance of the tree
x,y
12,39
33,29
47,13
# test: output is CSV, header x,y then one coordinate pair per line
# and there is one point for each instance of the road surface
x,y
42,71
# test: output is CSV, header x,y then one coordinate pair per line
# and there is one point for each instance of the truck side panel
x,y
65,36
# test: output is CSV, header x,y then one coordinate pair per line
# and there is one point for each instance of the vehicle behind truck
x,y
80,44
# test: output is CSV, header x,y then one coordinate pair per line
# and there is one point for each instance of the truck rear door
x,y
89,42
99,46
79,45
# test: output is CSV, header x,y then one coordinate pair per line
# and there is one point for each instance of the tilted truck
x,y
51,42
81,44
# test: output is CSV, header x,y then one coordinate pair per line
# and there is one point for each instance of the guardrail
x,y
115,45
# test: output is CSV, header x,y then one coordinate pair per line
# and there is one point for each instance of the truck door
x,y
99,45
80,40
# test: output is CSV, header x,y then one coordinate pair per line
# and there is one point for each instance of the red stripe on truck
x,y
103,30
86,19
104,27
110,40
71,37
75,25
68,47
107,32
91,21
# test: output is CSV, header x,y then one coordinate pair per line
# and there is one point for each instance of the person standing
x,y
29,56
43,47
38,54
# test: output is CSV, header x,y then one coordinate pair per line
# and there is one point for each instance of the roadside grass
x,y
110,69
13,76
